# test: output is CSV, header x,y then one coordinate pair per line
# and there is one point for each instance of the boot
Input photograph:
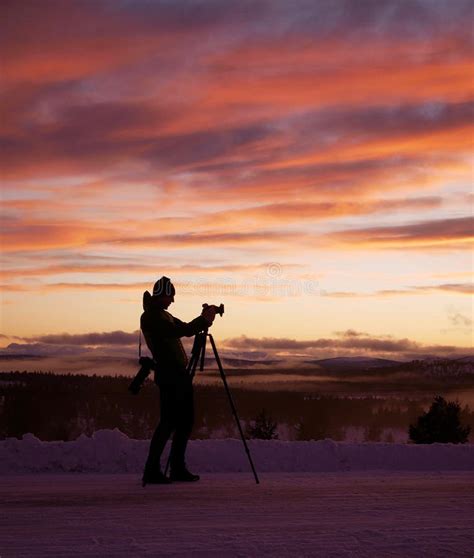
x,y
183,475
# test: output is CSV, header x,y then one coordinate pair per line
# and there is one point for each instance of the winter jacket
x,y
162,333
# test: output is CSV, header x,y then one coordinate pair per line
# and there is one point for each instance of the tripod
x,y
198,354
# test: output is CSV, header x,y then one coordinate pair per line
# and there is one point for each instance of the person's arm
x,y
177,328
183,329
163,326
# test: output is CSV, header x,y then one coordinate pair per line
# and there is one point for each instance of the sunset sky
x,y
307,163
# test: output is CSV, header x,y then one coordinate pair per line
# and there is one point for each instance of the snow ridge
x,y
111,451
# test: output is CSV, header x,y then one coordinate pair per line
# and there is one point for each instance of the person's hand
x,y
209,314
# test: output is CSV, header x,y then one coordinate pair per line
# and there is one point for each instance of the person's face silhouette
x,y
166,300
166,296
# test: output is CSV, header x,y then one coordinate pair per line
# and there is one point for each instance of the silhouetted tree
x,y
262,427
440,424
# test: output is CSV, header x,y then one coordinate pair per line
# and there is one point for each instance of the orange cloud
x,y
437,234
82,264
393,83
46,235
292,212
207,238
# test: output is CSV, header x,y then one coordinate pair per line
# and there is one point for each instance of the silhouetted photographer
x,y
162,333
174,374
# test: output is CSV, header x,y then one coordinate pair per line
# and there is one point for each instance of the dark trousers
x,y
176,414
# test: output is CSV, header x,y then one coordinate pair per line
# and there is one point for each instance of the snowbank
x,y
111,451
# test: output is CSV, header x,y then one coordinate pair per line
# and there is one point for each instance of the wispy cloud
x,y
445,233
457,288
459,319
88,339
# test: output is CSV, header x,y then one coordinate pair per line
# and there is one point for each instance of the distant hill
x,y
245,362
430,366
441,366
360,363
232,362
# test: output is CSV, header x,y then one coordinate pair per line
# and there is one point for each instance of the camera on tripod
x,y
219,309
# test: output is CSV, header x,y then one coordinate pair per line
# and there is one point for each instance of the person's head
x,y
163,292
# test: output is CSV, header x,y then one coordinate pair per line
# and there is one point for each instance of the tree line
x,y
64,406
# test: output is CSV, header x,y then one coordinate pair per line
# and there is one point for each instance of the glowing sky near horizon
x,y
309,164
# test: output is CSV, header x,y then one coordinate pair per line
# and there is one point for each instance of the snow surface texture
x,y
347,514
110,451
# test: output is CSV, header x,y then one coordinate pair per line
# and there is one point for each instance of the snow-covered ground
x,y
110,451
356,514
324,498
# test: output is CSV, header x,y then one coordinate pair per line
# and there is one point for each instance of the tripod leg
x,y
203,350
232,406
195,352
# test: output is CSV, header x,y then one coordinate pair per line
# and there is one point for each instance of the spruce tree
x,y
440,424
263,427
